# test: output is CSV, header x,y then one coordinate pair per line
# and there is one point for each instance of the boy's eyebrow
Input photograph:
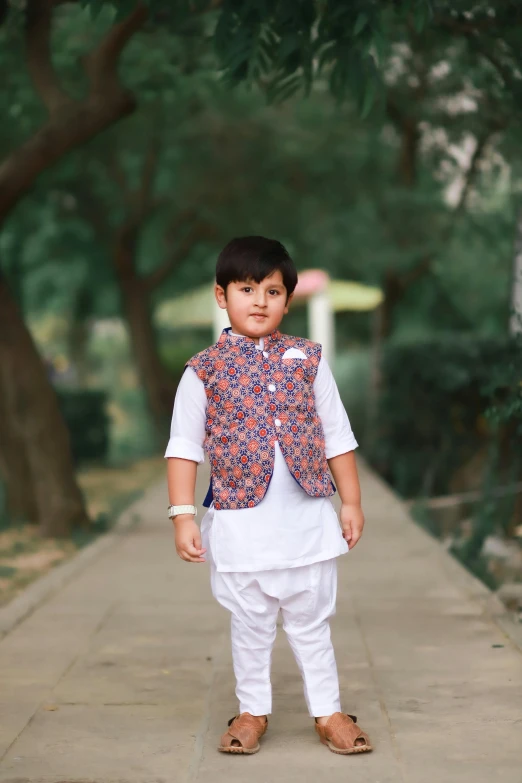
x,y
251,282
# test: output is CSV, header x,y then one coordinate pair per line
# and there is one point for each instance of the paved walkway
x,y
124,673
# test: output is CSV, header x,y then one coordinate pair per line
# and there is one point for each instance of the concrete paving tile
x,y
135,744
429,606
462,698
440,769
476,747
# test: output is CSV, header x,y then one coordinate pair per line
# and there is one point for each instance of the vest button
x,y
271,387
265,354
277,422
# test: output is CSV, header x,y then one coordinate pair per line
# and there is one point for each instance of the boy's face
x,y
255,309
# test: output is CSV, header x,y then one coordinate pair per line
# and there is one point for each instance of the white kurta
x,y
288,528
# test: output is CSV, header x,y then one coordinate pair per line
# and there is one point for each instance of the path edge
x,y
46,586
471,585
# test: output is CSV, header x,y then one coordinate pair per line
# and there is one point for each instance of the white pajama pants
x,y
306,597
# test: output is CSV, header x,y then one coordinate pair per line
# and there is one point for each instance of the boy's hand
x,y
188,539
352,521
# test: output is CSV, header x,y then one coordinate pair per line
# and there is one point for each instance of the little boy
x,y
265,408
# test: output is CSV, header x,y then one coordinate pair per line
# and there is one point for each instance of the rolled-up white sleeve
x,y
187,430
338,434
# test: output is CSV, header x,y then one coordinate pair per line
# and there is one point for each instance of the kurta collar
x,y
227,339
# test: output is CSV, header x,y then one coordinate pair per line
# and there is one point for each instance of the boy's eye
x,y
274,291
246,288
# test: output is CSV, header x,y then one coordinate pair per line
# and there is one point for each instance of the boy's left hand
x,y
352,522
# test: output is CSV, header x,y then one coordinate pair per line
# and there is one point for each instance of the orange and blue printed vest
x,y
255,398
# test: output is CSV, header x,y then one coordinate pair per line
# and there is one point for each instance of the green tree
x,y
281,47
33,427
35,448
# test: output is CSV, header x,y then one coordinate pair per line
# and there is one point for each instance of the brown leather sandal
x,y
243,735
342,735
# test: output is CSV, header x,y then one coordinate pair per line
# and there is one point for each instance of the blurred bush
x,y
352,373
444,401
132,434
177,348
86,417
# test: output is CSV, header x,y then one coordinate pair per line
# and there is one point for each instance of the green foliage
x,y
281,46
56,246
285,46
176,349
504,389
135,437
86,418
432,415
352,373
334,188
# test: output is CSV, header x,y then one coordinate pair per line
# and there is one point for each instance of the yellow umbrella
x,y
345,295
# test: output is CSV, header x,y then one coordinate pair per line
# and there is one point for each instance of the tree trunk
x,y
14,468
159,387
36,427
71,123
20,501
393,291
382,329
42,460
78,335
515,322
407,165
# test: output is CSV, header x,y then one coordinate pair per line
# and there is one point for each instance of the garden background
x,y
378,141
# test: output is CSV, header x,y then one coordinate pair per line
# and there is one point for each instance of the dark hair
x,y
254,258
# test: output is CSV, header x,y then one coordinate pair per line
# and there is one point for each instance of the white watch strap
x,y
175,511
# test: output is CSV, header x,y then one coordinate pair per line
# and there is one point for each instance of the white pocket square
x,y
294,353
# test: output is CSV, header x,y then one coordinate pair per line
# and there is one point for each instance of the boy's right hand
x,y
188,539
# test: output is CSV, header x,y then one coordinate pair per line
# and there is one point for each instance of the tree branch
x,y
38,24
91,209
471,30
120,177
471,175
197,233
101,64
181,219
505,72
394,112
148,175
139,201
108,102
408,129
465,26
212,5
424,265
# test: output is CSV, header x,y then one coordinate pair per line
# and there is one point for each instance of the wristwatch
x,y
174,511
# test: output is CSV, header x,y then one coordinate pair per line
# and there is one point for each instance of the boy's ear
x,y
288,302
221,296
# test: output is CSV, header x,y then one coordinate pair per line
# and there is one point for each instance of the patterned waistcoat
x,y
254,398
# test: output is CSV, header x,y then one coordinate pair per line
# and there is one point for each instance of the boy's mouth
x,y
259,316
